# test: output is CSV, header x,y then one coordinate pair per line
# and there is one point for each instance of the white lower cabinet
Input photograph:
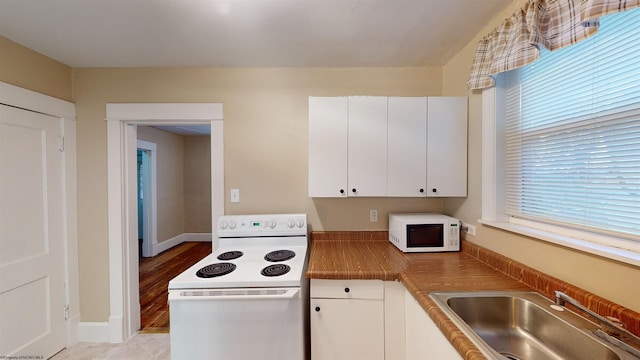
x,y
423,339
347,319
372,319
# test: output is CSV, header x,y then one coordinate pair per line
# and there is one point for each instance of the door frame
x,y
150,209
65,111
124,314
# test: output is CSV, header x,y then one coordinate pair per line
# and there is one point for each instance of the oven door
x,y
237,324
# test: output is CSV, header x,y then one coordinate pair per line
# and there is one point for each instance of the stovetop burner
x,y
275,270
280,255
214,270
230,255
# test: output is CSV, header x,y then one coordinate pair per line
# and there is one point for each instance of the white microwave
x,y
425,232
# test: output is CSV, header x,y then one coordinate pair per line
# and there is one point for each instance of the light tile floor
x,y
139,347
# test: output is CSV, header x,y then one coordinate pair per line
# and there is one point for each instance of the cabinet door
x,y
328,146
424,340
367,146
447,146
407,146
347,329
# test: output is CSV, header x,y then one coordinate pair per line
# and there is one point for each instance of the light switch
x,y
235,195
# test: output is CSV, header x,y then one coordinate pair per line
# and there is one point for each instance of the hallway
x,y
155,274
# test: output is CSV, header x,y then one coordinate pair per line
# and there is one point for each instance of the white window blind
x,y
573,132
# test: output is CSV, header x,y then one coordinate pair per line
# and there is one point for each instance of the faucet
x,y
615,331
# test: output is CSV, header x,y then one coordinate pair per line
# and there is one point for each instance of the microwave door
x,y
425,235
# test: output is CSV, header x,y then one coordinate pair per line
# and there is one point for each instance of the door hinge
x,y
61,143
66,312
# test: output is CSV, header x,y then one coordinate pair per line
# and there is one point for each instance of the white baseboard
x,y
93,332
197,237
177,240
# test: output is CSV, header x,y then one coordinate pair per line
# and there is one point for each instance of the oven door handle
x,y
220,294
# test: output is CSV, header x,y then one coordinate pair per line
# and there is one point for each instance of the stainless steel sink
x,y
524,325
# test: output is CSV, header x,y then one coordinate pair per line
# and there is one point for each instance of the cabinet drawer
x,y
347,289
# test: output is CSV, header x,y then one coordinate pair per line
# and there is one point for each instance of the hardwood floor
x,y
155,274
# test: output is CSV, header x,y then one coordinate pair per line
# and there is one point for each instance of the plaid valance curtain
x,y
553,24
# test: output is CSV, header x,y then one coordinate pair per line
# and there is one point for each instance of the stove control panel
x,y
262,225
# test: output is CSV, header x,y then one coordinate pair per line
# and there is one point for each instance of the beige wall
x,y
28,69
610,279
265,144
197,184
170,180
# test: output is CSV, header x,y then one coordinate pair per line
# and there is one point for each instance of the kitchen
x,y
257,100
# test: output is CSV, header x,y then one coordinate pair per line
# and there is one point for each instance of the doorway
x,y
146,194
124,318
182,180
142,179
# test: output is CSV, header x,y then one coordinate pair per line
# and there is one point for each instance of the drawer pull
x,y
318,308
347,290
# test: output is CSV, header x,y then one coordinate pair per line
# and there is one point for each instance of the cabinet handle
x,y
318,308
353,190
434,190
421,190
347,290
341,191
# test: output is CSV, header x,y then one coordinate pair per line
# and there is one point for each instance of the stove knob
x,y
232,224
291,223
272,224
300,223
223,225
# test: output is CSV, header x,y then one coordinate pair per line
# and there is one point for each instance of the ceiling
x,y
271,33
185,130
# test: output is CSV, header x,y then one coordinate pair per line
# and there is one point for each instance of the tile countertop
x,y
368,255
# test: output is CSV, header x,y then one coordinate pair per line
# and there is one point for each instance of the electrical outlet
x,y
373,215
470,229
235,195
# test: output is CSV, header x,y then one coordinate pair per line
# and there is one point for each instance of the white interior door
x,y
32,295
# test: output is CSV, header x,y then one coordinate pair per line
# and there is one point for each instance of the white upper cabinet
x,y
347,146
328,146
407,144
372,146
367,146
447,146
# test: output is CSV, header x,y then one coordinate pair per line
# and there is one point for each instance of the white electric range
x,y
249,298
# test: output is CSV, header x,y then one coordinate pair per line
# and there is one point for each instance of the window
x,y
569,126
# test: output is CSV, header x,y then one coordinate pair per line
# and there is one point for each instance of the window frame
x,y
493,197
